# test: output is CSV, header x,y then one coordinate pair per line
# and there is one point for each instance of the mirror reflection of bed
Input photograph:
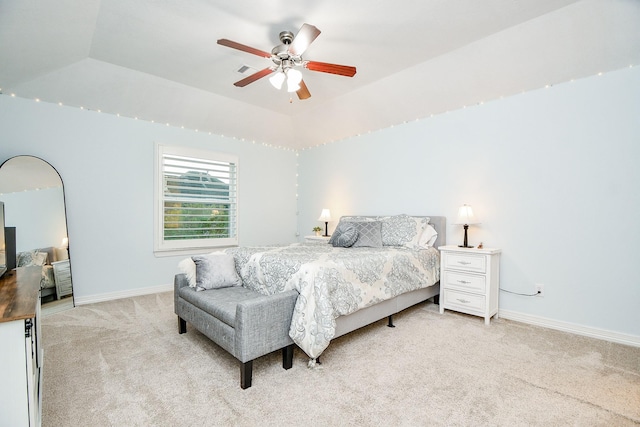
x,y
33,195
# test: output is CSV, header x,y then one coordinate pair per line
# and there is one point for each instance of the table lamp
x,y
466,217
325,216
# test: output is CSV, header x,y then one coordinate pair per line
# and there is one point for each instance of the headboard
x,y
440,224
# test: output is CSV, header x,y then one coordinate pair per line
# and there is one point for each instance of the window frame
x,y
169,247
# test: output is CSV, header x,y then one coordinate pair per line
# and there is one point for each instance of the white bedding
x,y
333,281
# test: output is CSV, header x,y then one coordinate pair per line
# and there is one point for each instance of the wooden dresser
x,y
21,356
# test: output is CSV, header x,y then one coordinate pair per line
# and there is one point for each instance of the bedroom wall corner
x,y
552,174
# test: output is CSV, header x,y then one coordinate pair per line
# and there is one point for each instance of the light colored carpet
x,y
56,306
123,363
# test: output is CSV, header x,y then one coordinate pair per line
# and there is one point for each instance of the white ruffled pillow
x,y
428,237
188,267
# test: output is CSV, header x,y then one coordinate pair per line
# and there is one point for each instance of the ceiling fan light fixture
x,y
294,77
277,79
292,87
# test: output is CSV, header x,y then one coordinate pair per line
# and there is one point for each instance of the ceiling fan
x,y
287,57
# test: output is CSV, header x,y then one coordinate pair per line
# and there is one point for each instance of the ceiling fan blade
x,y
324,67
303,92
303,39
244,48
253,77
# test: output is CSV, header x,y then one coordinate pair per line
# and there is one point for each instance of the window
x,y
196,199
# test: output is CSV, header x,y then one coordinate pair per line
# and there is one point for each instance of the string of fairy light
x,y
285,148
297,150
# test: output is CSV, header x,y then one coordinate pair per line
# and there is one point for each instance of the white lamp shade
x,y
277,79
466,216
294,77
292,87
325,215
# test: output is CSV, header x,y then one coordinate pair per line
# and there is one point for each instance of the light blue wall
x,y
106,163
552,174
39,215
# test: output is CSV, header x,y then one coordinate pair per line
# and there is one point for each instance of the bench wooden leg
x,y
182,325
287,357
246,371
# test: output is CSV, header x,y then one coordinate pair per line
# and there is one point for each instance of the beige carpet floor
x,y
56,306
123,363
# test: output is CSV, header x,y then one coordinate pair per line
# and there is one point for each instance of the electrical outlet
x,y
540,290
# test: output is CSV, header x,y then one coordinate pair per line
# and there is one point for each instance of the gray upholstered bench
x,y
245,323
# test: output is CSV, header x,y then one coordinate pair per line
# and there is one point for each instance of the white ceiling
x,y
158,59
27,173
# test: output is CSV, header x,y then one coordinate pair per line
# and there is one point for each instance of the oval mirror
x,y
35,213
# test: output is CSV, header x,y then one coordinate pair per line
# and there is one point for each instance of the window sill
x,y
189,251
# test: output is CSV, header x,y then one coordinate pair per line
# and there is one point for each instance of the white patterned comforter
x,y
333,281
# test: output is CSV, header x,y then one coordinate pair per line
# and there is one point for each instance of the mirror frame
x,y
64,204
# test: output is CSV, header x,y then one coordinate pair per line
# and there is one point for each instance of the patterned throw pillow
x,y
369,234
358,218
403,230
24,259
344,236
29,258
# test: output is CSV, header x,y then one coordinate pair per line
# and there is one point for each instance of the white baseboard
x,y
122,294
603,334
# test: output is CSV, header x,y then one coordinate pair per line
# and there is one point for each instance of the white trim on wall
x,y
109,296
573,328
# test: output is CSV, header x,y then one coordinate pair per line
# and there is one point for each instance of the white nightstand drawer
x,y
465,262
469,282
464,300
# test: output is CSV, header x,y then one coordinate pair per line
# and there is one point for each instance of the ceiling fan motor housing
x,y
280,54
286,37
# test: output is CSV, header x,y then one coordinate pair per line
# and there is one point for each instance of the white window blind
x,y
198,199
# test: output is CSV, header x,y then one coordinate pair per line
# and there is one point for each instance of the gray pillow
x,y
215,271
344,236
369,234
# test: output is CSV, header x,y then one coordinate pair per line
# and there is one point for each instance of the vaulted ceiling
x,y
157,60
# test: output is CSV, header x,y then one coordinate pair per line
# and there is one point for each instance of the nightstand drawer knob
x,y
464,301
464,282
464,262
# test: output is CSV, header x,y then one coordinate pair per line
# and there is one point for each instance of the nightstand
x,y
469,280
62,274
317,239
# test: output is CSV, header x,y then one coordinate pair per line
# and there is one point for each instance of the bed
x,y
41,257
344,288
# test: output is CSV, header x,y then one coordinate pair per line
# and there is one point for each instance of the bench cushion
x,y
220,303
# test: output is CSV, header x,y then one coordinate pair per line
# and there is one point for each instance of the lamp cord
x,y
516,293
